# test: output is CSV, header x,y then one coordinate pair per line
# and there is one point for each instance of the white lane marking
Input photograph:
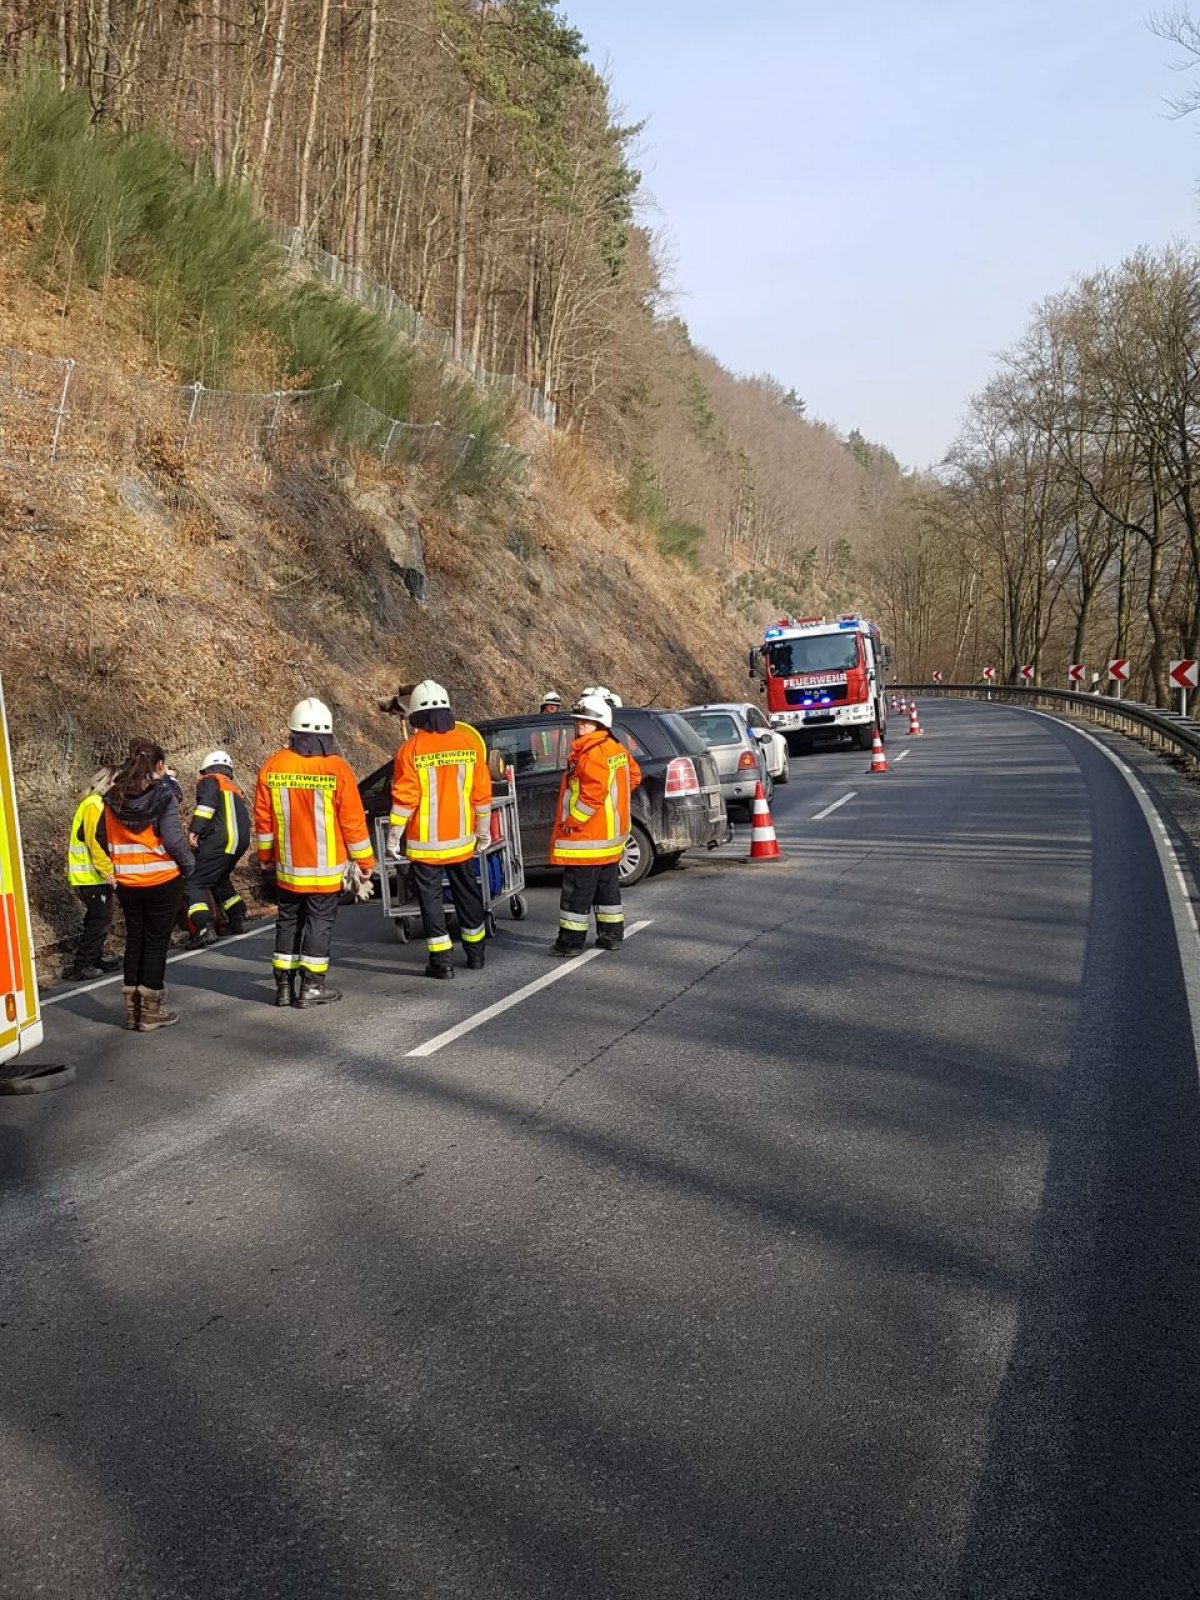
x,y
1183,912
902,755
821,815
181,955
471,1023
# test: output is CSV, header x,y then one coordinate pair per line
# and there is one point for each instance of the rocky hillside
x,y
193,599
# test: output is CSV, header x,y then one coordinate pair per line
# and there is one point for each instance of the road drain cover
x,y
40,1080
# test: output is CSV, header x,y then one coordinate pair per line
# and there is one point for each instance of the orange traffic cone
x,y
895,706
913,725
764,846
878,759
903,704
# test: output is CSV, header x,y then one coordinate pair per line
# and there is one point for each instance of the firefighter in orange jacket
x,y
441,816
308,818
591,828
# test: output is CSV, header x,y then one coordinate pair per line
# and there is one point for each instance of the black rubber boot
x,y
607,941
559,949
314,991
201,940
235,919
476,957
439,967
285,989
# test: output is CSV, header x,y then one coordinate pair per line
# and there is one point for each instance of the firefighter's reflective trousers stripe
x,y
213,870
468,905
304,931
584,890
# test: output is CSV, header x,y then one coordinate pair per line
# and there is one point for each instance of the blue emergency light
x,y
774,633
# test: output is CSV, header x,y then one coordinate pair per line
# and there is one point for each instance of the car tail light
x,y
681,777
746,762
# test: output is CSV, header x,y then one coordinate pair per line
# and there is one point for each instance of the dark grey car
x,y
677,807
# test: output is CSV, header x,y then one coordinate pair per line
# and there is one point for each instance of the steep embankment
x,y
193,596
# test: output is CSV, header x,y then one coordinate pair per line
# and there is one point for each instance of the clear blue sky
x,y
866,197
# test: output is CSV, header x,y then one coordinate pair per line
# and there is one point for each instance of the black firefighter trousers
x,y
99,902
304,932
468,906
213,870
583,888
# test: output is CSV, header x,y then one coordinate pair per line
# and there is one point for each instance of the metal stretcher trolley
x,y
501,869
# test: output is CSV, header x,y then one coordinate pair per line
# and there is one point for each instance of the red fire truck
x,y
823,679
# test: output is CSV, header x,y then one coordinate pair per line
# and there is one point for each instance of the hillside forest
x,y
468,154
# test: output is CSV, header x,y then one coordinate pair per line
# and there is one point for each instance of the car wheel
x,y
785,772
638,856
866,736
769,788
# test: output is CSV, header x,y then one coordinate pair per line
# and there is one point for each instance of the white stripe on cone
x,y
764,846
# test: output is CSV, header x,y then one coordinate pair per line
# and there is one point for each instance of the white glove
x,y
364,888
483,838
395,841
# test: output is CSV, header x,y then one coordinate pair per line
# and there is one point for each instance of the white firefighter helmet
x,y
614,700
217,758
428,696
311,716
593,707
552,698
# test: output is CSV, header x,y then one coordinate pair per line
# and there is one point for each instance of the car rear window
x,y
685,736
714,727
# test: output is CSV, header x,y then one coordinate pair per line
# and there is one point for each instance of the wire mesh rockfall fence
x,y
317,263
59,409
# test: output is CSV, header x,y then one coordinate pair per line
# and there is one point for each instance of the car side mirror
x,y
764,735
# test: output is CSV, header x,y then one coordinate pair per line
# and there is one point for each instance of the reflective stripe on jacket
x,y
221,804
592,824
441,794
87,864
308,818
140,859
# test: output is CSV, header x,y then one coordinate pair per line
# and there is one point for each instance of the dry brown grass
x,y
193,594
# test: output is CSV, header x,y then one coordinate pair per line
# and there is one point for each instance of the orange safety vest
x,y
307,818
592,824
441,794
140,860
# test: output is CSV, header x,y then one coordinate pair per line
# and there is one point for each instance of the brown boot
x,y
152,1014
133,1007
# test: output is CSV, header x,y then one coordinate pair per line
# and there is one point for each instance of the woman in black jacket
x,y
143,835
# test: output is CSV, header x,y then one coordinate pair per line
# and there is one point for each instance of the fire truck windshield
x,y
818,652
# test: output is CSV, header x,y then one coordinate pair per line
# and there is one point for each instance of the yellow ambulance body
x,y
20,1013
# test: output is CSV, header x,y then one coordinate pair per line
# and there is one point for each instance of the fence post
x,y
68,372
387,449
272,427
197,389
466,449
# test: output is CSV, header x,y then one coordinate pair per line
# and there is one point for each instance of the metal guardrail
x,y
1166,730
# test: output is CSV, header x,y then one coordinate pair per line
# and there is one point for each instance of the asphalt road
x,y
836,1239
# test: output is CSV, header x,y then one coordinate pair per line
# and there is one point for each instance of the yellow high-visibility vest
x,y
82,871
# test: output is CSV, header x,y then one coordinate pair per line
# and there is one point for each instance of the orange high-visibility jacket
x,y
307,818
441,794
593,803
140,860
